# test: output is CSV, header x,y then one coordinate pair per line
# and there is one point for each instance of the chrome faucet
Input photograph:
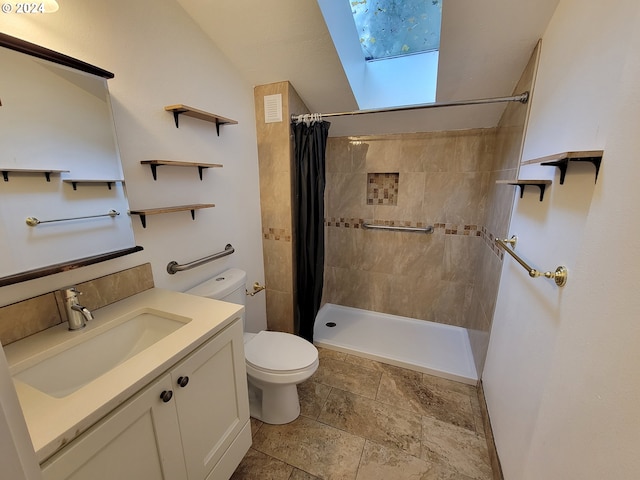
x,y
77,315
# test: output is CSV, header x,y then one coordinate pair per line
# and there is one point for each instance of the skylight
x,y
402,36
390,28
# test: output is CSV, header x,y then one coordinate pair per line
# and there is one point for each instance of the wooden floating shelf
x,y
157,211
154,164
541,184
47,172
75,181
181,109
561,160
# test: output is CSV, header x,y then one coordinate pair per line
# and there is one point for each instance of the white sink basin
x,y
69,370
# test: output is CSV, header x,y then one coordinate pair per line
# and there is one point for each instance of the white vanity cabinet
x,y
191,423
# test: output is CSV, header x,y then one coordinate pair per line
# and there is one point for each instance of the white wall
x,y
561,378
160,57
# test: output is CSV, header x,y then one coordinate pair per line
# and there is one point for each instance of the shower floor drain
x,y
330,324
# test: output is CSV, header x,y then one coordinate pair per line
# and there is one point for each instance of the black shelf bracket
x,y
193,214
153,166
200,169
541,186
5,175
179,109
74,183
563,165
176,116
143,220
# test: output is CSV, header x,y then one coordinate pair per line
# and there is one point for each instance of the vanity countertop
x,y
54,422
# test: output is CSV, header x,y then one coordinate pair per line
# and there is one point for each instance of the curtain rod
x,y
522,98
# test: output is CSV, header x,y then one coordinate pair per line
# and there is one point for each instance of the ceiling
x,y
484,48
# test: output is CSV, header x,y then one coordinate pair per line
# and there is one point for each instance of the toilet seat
x,y
279,353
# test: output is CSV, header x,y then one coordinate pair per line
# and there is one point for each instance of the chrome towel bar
x,y
33,221
173,267
371,226
559,276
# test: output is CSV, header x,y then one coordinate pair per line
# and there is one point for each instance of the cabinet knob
x,y
166,395
182,381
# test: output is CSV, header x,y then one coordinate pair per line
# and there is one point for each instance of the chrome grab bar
x,y
173,267
33,221
559,275
372,226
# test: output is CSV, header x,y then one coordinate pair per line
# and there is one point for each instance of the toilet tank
x,y
228,286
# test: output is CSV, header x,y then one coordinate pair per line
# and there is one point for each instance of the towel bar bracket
x,y
256,289
559,275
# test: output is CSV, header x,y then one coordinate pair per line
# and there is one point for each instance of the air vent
x,y
273,108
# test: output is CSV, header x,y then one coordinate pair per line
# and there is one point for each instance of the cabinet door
x,y
138,441
213,406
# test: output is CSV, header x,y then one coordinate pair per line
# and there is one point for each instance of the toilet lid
x,y
279,351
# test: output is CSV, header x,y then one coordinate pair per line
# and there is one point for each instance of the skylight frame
x,y
394,28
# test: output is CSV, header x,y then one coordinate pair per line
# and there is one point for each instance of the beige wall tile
x,y
279,311
276,204
474,150
25,318
109,289
278,256
344,247
355,288
346,196
338,155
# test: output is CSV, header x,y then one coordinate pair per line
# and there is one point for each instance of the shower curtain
x,y
310,141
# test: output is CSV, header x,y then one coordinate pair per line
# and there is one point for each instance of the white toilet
x,y
276,362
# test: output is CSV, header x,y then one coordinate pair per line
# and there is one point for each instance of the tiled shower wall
x,y
508,150
443,180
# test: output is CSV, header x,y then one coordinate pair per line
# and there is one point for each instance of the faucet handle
x,y
71,292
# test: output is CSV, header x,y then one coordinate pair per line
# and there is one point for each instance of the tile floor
x,y
364,420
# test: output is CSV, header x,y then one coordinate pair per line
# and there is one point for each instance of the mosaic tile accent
x,y
438,229
281,234
382,188
490,240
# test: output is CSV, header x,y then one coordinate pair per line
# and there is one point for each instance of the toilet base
x,y
272,403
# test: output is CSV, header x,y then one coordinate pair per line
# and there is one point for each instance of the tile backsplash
x,y
35,314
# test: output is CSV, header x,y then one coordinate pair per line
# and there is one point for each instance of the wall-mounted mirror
x,y
62,193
